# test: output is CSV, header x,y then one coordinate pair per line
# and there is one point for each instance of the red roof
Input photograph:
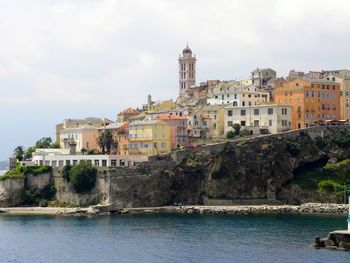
x,y
170,117
130,110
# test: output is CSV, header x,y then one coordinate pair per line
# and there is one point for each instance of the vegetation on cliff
x,y
20,171
82,176
331,180
41,198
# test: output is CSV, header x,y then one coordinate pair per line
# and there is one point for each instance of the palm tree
x,y
106,141
19,152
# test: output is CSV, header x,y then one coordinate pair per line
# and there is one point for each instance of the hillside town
x,y
204,113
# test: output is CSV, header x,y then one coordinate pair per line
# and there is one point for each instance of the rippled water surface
x,y
167,238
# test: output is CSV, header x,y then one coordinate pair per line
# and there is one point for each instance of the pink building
x,y
178,129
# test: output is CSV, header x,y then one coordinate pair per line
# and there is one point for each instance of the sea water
x,y
168,238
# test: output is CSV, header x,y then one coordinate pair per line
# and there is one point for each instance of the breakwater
x,y
308,208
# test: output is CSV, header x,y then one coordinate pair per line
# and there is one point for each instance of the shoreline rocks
x,y
109,209
336,240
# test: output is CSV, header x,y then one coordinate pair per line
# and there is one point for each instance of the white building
x,y
61,157
230,93
258,119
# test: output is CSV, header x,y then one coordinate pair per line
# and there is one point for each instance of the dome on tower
x,y
187,50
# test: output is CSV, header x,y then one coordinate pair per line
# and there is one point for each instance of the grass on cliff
x,y
330,179
21,171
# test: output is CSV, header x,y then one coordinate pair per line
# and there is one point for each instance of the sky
x,y
64,59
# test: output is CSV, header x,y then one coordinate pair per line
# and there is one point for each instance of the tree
x,y
19,153
44,142
105,141
230,134
237,128
83,176
29,152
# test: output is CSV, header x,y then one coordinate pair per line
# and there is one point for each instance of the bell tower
x,y
187,70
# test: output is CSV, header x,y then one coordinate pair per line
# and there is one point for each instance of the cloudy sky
x,y
72,59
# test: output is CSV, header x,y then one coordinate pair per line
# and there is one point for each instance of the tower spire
x,y
187,70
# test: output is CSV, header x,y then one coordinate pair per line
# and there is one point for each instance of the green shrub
x,y
66,172
35,197
244,133
320,143
83,177
342,139
236,127
230,134
329,186
293,148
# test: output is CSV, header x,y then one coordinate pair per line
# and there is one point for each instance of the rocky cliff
x,y
260,170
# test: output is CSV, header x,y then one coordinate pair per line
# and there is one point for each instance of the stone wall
x,y
11,191
38,182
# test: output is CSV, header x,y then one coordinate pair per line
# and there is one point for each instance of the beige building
x,y
126,114
72,123
216,115
230,93
261,76
84,136
269,118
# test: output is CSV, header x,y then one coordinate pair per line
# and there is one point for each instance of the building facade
x,y
120,132
229,93
344,94
126,114
312,101
73,123
150,137
83,138
259,119
260,77
178,129
60,159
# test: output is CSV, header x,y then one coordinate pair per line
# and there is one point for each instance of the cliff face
x,y
255,170
246,171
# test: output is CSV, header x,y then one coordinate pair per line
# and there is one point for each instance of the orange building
x,y
121,137
311,100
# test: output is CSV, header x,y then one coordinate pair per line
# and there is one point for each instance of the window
x,y
256,111
270,111
163,144
242,112
97,163
229,113
104,163
229,123
256,123
242,123
243,103
270,122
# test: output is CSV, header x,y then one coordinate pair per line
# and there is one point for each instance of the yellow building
x,y
149,137
160,106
